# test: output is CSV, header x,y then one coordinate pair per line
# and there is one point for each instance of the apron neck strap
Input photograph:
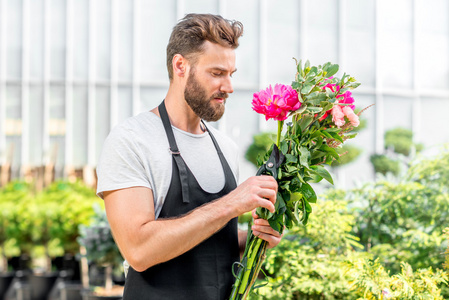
x,y
182,168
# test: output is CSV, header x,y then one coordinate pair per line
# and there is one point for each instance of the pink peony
x,y
275,103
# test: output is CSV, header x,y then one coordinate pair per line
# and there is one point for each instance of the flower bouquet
x,y
321,108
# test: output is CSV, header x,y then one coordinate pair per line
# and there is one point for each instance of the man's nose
x,y
226,86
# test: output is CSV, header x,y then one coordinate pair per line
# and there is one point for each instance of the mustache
x,y
220,95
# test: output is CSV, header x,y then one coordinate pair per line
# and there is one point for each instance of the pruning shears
x,y
273,163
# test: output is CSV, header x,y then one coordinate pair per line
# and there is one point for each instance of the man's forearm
x,y
164,239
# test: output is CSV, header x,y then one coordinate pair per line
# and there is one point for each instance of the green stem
x,y
252,255
257,267
280,125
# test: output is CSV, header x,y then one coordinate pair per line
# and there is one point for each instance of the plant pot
x,y
101,294
41,285
20,263
5,281
69,265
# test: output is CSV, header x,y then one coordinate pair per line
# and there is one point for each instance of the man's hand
x,y
263,230
256,191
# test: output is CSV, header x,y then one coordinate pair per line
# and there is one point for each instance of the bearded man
x,y
169,182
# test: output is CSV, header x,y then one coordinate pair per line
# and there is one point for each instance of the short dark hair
x,y
189,35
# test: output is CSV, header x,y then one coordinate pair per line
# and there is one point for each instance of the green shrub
x,y
446,253
401,140
61,208
15,219
383,164
371,281
308,263
348,153
261,144
400,222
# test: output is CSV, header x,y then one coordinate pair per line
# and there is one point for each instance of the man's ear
x,y
180,65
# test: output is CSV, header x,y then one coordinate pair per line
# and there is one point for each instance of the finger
x,y
266,181
268,204
268,194
265,230
261,222
254,214
272,240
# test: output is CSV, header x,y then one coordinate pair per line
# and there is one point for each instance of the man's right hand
x,y
256,191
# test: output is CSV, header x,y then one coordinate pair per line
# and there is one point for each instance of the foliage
x,y
371,281
261,144
400,222
98,241
348,154
15,219
308,263
401,140
432,172
59,210
446,253
383,164
45,223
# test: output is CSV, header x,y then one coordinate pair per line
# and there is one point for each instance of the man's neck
x,y
180,114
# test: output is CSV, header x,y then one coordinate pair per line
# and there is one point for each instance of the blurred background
x,y
71,70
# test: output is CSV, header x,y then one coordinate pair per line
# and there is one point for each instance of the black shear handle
x,y
272,165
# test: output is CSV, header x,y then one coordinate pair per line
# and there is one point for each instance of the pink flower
x,y
275,103
346,98
338,117
352,117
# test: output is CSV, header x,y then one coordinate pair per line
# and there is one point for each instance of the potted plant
x,y
45,214
15,237
58,211
101,250
6,276
74,202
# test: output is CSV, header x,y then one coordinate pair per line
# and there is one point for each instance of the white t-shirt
x,y
136,153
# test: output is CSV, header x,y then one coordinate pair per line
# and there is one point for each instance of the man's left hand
x,y
262,229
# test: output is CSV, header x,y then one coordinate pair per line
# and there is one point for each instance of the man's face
x,y
209,82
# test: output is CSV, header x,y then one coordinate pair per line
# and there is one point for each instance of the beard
x,y
204,107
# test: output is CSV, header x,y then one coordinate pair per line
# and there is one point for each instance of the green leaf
x,y
327,134
336,136
291,158
308,193
329,150
332,70
296,85
305,121
300,110
305,156
314,110
333,129
306,88
291,169
284,147
296,211
322,172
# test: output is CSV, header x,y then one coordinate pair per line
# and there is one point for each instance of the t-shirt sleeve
x,y
120,165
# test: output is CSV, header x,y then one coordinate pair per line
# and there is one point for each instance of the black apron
x,y
204,272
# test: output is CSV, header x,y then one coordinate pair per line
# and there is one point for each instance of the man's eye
x,y
216,74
